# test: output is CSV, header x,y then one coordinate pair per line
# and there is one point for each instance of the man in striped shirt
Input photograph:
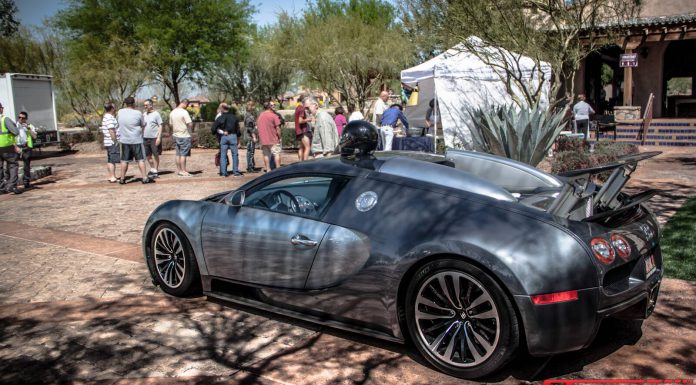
x,y
109,129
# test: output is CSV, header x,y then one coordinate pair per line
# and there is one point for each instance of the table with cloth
x,y
413,143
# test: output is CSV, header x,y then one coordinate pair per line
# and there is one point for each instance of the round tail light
x,y
623,249
602,250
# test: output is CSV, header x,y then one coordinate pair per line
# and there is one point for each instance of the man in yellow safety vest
x,y
9,154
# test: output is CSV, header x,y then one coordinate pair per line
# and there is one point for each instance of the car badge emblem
x,y
366,201
646,230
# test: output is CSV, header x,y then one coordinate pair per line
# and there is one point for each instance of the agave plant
x,y
520,134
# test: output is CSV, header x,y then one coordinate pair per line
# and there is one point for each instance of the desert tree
x,y
558,32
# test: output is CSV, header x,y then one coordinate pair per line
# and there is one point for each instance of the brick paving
x,y
77,304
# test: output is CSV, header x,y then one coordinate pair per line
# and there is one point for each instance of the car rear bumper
x,y
567,326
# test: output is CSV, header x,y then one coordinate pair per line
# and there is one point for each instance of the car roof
x,y
416,166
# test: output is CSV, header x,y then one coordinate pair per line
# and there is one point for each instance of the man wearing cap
x,y
9,154
130,128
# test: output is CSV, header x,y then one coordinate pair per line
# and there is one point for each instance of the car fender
x,y
187,216
551,261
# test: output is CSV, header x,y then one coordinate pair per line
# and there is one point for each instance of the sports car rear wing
x,y
580,198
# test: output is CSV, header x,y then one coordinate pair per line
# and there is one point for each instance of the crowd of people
x,y
133,135
16,143
316,131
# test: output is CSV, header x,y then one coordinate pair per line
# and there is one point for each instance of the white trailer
x,y
35,95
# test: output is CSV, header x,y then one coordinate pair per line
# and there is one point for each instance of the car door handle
x,y
302,240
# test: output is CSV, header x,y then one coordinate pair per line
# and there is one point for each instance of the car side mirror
x,y
236,199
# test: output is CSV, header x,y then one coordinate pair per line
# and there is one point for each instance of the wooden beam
x,y
628,84
633,42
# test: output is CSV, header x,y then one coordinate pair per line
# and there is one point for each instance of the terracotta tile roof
x,y
660,20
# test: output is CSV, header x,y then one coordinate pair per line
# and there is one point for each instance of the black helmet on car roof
x,y
359,137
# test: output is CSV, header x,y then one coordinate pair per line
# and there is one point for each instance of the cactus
x,y
524,135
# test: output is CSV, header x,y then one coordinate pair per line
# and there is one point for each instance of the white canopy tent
x,y
458,79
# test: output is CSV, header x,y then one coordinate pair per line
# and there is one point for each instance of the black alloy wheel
x,y
460,319
171,261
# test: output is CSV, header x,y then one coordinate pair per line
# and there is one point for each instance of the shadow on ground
x,y
206,341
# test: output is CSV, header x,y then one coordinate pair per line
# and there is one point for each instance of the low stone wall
x,y
622,113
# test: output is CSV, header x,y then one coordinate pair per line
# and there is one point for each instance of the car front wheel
x,y
172,262
460,319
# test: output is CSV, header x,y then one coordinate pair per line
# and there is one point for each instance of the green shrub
x,y
570,160
289,118
168,142
578,157
620,148
74,120
566,143
208,111
64,145
79,137
165,118
288,138
206,139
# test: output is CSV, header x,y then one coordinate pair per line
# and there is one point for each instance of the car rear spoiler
x,y
579,198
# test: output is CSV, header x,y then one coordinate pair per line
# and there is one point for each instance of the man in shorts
x,y
181,124
109,129
130,128
269,135
152,137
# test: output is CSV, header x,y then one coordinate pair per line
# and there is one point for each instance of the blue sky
x,y
33,12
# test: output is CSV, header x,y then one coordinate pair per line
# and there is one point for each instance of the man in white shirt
x,y
380,107
152,137
581,112
355,114
180,122
386,133
25,141
109,130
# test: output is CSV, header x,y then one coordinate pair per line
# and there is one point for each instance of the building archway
x,y
679,72
603,80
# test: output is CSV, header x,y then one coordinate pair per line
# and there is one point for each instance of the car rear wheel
x,y
172,262
460,319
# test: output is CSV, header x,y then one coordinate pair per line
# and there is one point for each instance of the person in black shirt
x,y
226,126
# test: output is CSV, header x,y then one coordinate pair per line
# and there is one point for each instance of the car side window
x,y
305,195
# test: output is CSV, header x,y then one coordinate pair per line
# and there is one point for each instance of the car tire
x,y
171,261
468,335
